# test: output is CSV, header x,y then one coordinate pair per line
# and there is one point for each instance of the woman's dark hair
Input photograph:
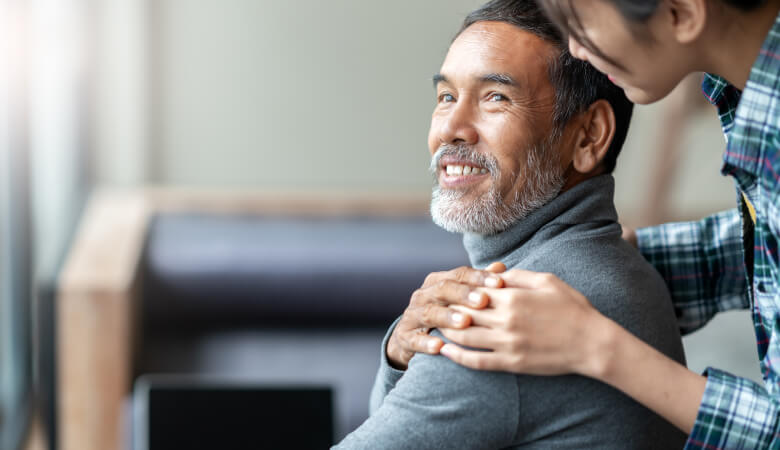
x,y
563,14
577,84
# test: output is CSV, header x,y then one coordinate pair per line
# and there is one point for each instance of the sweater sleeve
x,y
386,377
438,404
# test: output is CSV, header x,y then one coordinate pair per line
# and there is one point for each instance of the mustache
x,y
466,153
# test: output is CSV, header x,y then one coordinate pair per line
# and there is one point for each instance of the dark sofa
x,y
284,299
264,288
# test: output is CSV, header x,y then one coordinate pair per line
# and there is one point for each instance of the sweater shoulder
x,y
617,281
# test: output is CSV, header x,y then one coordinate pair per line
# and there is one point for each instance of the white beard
x,y
490,214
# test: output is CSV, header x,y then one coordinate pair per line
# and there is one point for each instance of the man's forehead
x,y
497,47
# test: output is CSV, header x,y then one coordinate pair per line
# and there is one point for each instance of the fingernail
x,y
431,346
445,350
475,298
492,281
458,318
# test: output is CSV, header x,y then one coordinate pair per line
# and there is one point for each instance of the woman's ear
x,y
686,18
597,128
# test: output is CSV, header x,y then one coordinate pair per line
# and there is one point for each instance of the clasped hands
x,y
528,322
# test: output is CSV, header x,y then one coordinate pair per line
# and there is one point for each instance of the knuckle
x,y
449,287
403,324
518,360
548,278
418,297
428,313
411,320
431,278
406,333
461,273
517,343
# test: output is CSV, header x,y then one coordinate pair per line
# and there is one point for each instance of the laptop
x,y
190,412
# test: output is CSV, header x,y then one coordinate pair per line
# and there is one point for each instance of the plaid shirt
x,y
708,265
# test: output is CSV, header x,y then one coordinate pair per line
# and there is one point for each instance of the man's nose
x,y
459,127
577,50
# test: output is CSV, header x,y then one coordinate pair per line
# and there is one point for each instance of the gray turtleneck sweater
x,y
437,404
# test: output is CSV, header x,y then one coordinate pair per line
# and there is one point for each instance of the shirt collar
x,y
742,121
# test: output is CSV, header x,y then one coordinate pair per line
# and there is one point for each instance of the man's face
x,y
494,156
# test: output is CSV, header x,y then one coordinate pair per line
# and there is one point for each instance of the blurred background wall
x,y
295,95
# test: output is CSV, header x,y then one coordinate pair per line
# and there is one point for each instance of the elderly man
x,y
524,139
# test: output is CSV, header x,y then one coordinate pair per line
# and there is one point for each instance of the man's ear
x,y
686,19
597,128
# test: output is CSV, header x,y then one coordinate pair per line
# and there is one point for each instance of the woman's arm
x,y
540,325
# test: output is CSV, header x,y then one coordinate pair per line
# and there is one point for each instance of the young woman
x,y
536,324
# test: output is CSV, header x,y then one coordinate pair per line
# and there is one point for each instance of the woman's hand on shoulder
x,y
537,324
432,306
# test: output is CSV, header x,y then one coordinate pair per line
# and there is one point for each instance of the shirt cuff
x,y
734,413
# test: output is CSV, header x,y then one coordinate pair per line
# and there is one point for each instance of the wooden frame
x,y
97,290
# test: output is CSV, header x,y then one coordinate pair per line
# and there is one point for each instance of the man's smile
x,y
458,173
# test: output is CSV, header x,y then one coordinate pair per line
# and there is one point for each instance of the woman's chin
x,y
642,96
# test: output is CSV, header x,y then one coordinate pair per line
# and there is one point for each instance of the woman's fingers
x,y
474,336
518,278
488,318
531,363
479,360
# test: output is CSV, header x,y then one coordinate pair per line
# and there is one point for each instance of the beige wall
x,y
697,187
297,93
311,94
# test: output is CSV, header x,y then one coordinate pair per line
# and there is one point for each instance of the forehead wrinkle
x,y
494,47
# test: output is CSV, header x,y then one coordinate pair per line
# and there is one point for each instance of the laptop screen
x,y
209,415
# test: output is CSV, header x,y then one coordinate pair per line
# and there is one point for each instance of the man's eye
x,y
446,98
496,97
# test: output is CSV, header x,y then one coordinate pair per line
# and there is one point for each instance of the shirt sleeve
x,y
702,265
735,413
438,404
773,209
386,377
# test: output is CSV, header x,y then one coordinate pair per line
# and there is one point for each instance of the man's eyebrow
x,y
438,78
500,78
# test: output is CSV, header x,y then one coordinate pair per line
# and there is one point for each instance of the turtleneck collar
x,y
588,204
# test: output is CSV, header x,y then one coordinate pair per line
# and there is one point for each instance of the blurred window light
x,y
57,97
15,349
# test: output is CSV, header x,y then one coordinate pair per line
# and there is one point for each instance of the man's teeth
x,y
465,170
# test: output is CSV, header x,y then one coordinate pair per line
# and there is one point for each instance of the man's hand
x,y
536,325
429,308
